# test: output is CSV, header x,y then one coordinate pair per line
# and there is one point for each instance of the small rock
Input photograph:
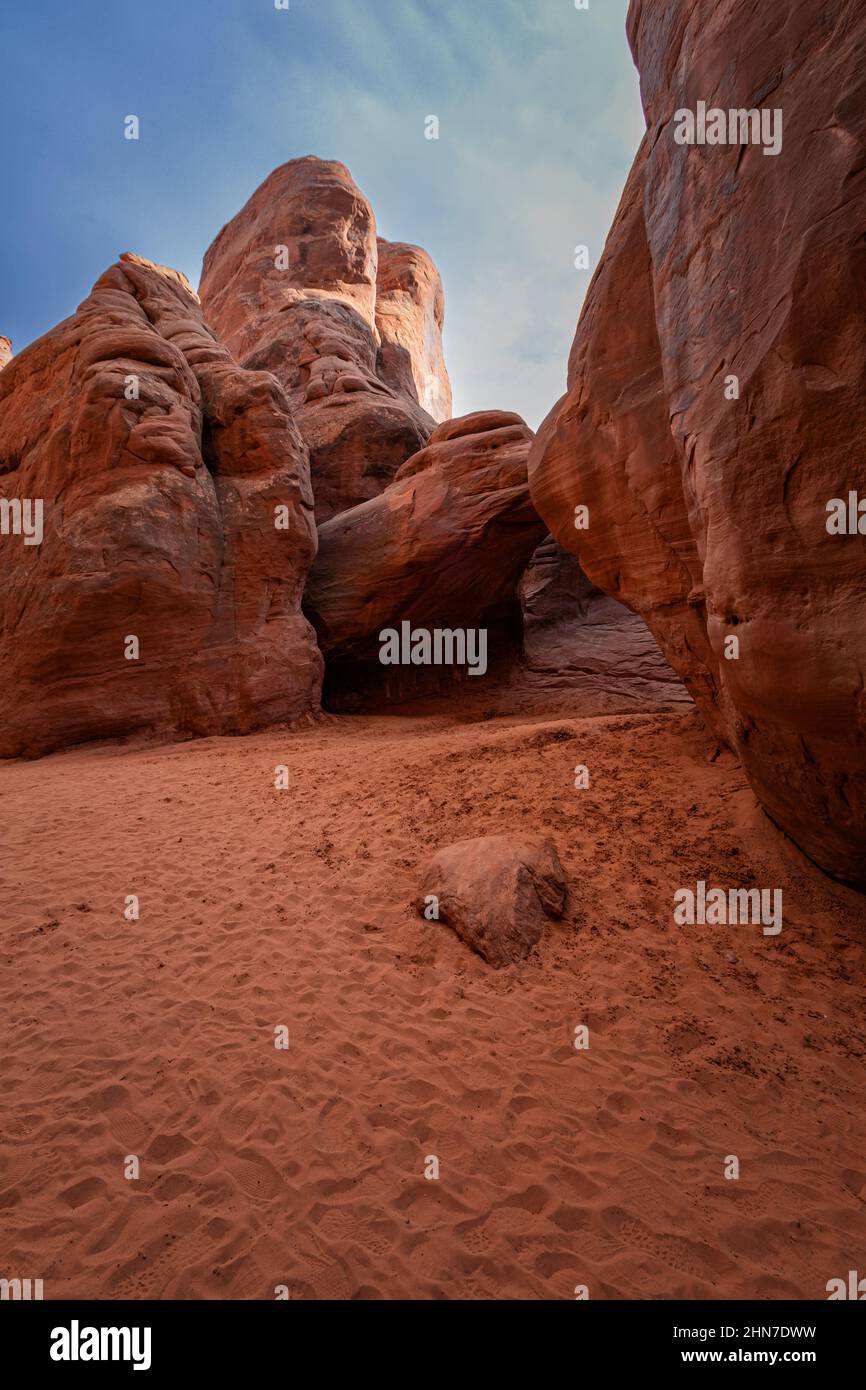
x,y
495,891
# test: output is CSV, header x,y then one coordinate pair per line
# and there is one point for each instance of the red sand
x,y
305,1168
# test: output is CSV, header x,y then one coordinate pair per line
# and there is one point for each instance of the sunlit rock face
x,y
292,286
410,314
163,595
715,405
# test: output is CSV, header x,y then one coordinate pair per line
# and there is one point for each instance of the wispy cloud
x,y
539,118
539,112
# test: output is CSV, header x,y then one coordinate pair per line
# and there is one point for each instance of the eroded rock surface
x,y
290,285
584,650
410,314
497,892
715,403
160,465
442,548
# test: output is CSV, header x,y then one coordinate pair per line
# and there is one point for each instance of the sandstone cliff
x,y
291,286
443,547
159,466
715,403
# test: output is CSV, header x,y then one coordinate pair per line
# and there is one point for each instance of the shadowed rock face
x,y
160,463
708,508
442,548
290,285
581,643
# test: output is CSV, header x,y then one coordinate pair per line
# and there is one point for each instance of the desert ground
x,y
255,551
303,1170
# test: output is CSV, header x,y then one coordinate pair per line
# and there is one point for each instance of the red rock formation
x,y
607,446
5,352
708,497
410,313
290,286
583,651
497,892
160,464
443,547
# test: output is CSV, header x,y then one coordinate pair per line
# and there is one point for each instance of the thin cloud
x,y
539,113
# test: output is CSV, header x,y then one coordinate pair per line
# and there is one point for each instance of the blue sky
x,y
539,120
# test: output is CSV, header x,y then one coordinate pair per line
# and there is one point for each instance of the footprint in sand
x,y
255,1176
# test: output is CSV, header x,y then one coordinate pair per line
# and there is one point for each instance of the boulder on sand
x,y
496,892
